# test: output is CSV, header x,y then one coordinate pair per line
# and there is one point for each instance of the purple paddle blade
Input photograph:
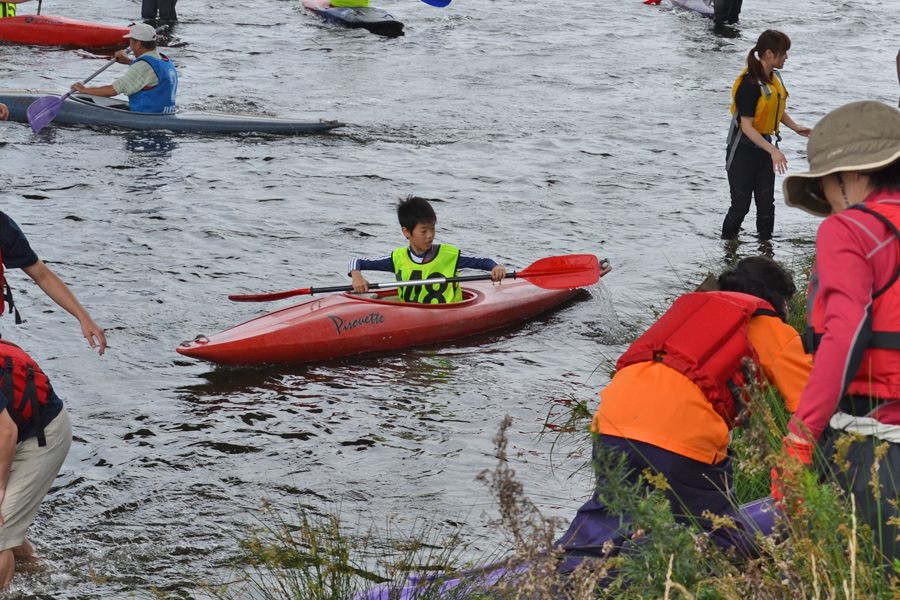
x,y
44,110
438,3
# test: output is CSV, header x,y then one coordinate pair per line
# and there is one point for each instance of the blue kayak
x,y
374,20
84,109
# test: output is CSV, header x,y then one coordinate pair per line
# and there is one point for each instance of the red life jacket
x,y
878,376
25,386
704,336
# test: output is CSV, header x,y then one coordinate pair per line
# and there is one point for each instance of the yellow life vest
x,y
7,9
350,3
442,265
769,107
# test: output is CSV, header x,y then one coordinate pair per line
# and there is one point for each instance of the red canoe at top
x,y
347,324
48,30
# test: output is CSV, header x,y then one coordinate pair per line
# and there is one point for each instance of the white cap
x,y
142,32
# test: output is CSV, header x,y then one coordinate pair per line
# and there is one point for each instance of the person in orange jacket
x,y
677,394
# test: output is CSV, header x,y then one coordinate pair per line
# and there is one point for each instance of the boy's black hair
x,y
414,210
762,277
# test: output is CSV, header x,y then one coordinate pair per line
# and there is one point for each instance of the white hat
x,y
142,32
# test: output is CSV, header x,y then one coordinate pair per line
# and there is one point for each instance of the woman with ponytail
x,y
752,157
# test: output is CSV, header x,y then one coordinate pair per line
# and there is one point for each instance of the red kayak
x,y
47,30
347,324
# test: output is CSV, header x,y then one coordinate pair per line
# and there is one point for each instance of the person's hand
x,y
79,87
784,475
122,58
94,334
804,131
498,273
360,285
4,112
779,162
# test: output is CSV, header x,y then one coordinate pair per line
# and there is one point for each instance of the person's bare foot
x,y
30,564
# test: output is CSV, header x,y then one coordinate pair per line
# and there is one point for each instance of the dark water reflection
x,y
545,129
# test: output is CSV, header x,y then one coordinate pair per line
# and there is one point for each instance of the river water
x,y
543,128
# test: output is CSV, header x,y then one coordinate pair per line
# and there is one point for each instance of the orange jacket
x,y
653,403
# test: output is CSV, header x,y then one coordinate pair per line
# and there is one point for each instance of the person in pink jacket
x,y
853,308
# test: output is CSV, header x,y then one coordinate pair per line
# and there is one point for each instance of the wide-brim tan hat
x,y
860,136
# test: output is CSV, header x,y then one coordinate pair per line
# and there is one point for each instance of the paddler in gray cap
x,y
151,80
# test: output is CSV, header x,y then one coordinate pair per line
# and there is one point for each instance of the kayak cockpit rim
x,y
388,297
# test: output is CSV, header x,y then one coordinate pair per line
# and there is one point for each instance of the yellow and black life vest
x,y
442,265
7,9
769,110
769,107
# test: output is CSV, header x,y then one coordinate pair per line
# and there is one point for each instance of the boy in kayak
x,y
150,81
422,259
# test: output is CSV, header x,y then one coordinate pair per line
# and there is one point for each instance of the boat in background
x,y
701,7
348,324
375,20
84,109
50,30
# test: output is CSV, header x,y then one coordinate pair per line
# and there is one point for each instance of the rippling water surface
x,y
544,128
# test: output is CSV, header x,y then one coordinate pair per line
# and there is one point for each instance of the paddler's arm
x,y
779,162
60,293
360,285
106,90
804,131
4,112
498,271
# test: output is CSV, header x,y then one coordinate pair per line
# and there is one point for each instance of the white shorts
x,y
33,471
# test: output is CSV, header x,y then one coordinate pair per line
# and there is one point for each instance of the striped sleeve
x,y
381,263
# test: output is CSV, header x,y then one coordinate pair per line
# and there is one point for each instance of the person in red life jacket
x,y
854,308
676,395
151,80
423,259
752,155
35,432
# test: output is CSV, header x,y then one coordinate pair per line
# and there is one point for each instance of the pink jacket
x,y
856,254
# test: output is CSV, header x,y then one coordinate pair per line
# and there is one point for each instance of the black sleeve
x,y
746,98
14,246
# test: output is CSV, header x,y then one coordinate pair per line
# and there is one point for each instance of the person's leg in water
x,y
734,11
167,10
149,10
764,194
741,181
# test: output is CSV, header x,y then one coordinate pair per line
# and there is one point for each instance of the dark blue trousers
x,y
695,488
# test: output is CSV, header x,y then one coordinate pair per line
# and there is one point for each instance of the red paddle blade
x,y
564,272
652,1
43,110
269,297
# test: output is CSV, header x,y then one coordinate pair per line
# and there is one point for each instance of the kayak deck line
x,y
344,325
84,109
